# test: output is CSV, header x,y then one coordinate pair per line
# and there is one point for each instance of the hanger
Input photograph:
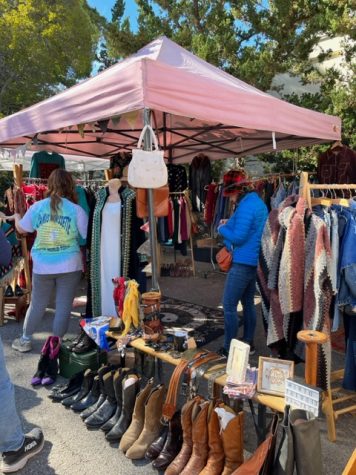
x,y
336,145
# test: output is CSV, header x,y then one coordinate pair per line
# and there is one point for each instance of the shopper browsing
x,y
16,447
57,263
242,235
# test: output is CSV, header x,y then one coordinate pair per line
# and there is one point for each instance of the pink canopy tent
x,y
195,107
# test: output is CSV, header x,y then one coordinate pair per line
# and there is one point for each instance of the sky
x,y
104,8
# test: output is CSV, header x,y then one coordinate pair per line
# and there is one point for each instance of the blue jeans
x,y
11,433
240,285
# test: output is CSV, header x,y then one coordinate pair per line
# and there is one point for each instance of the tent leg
x,y
151,217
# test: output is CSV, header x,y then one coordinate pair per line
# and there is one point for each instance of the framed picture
x,y
272,375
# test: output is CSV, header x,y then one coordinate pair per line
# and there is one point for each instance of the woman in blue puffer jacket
x,y
242,234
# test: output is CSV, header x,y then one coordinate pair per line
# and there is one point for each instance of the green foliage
x,y
44,45
254,41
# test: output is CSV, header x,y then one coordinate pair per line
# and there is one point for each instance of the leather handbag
x,y
261,462
160,202
147,168
224,259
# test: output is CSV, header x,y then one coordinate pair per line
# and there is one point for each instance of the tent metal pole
x,y
151,217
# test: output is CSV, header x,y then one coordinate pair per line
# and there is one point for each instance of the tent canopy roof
x,y
195,106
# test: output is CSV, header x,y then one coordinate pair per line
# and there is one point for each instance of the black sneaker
x,y
17,459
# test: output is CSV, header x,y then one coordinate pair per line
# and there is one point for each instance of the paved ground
x,y
71,449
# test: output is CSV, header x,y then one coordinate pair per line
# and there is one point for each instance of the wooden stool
x,y
350,468
312,339
21,304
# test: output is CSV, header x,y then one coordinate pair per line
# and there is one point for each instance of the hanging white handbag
x,y
147,168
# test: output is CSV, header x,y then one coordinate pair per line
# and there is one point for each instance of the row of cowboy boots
x,y
212,440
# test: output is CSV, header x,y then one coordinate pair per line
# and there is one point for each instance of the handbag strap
x,y
152,135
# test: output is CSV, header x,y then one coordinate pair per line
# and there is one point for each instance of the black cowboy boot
x,y
118,377
129,394
108,408
84,390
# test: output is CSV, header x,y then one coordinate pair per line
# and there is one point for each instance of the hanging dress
x,y
110,255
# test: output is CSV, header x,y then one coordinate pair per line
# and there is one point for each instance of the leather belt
x,y
190,371
219,361
184,367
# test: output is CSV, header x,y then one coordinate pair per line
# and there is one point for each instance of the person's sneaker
x,y
17,459
22,345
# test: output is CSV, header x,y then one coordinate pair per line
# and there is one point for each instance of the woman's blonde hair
x,y
60,185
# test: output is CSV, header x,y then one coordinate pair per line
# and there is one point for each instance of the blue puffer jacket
x,y
243,231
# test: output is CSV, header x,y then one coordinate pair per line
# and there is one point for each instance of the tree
x,y
253,41
45,45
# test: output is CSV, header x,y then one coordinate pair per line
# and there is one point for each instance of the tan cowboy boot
x,y
152,425
216,456
138,419
189,412
199,455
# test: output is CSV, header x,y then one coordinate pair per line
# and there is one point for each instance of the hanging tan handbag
x,y
224,259
147,168
160,202
261,462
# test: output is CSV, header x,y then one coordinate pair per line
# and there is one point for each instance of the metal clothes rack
x,y
330,401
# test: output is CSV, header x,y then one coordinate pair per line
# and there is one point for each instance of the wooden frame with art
x,y
272,375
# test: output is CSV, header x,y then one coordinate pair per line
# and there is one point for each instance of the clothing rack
x,y
341,396
185,193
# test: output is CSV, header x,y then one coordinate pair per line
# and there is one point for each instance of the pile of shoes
x,y
82,343
178,269
47,368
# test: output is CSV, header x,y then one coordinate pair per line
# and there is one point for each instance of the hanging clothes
x,y
131,238
43,164
294,278
177,178
337,165
200,175
110,255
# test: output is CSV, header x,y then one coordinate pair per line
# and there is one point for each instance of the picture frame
x,y
272,375
237,361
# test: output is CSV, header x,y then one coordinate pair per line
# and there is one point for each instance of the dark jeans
x,y
350,357
240,285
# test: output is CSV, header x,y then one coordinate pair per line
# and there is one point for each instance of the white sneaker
x,y
22,345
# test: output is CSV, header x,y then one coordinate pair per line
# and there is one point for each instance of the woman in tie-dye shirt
x,y
57,264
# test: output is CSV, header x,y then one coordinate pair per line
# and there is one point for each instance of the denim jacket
x,y
347,291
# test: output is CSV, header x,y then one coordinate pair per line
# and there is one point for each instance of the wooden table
x,y
275,403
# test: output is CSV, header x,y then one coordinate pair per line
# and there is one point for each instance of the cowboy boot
x,y
52,367
156,447
215,462
42,364
189,412
117,382
84,390
90,399
152,425
138,418
172,445
199,455
102,394
128,402
232,439
108,408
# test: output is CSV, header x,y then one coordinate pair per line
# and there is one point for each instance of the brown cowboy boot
x,y
216,456
199,455
232,438
189,412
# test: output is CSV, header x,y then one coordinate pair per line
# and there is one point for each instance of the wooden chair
x,y
312,339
